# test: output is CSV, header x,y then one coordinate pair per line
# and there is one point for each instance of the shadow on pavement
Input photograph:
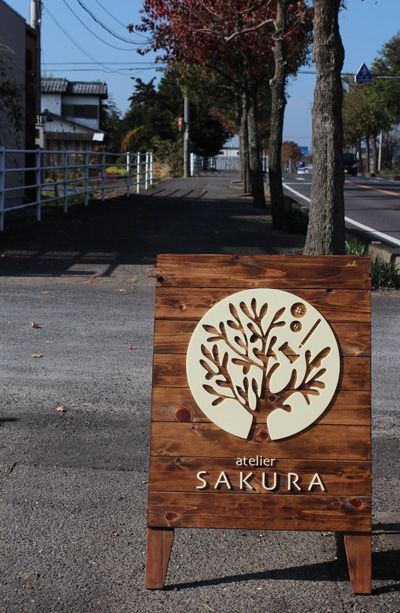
x,y
386,567
177,217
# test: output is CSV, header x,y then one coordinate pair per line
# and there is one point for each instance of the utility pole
x,y
186,137
35,19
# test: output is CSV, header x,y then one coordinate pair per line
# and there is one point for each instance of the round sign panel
x,y
265,355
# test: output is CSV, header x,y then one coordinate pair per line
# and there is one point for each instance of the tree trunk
x,y
326,228
368,155
374,155
278,103
244,146
359,156
256,174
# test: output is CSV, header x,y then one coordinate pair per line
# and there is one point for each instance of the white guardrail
x,y
35,178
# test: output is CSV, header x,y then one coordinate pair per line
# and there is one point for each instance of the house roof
x,y
63,86
74,124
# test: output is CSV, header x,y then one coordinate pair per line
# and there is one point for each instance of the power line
x,y
115,18
147,64
106,28
91,31
74,42
118,72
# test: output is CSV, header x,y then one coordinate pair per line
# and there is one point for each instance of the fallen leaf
x,y
61,409
91,280
36,356
132,347
35,325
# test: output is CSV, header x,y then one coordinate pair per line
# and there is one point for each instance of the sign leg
x,y
159,545
359,560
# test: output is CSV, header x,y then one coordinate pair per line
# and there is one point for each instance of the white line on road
x,y
357,224
296,193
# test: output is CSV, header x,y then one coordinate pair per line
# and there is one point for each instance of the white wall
x,y
90,100
51,102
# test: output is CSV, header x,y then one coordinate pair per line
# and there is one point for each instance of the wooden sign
x,y
261,401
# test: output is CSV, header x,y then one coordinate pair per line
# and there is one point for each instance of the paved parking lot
x,y
73,483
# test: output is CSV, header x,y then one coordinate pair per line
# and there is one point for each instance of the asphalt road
x,y
372,205
73,484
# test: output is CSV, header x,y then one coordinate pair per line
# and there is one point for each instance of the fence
x,y
34,178
220,163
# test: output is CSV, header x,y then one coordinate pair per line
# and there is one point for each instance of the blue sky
x,y
365,27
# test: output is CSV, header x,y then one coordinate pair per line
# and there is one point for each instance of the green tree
x,y
154,113
111,124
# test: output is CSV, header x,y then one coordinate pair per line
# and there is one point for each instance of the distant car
x,y
350,164
302,168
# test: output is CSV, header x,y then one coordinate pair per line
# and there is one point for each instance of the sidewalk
x,y
73,484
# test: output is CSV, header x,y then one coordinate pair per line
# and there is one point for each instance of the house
x,y
17,80
70,114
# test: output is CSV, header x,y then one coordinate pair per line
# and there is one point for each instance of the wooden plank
x,y
208,441
173,336
193,303
202,510
169,370
178,404
280,272
179,474
359,560
159,545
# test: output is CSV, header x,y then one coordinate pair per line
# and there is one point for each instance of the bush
x,y
385,275
169,153
356,248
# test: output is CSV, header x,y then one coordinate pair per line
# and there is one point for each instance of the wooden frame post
x,y
358,548
159,545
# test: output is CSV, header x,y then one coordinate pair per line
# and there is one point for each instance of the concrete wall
x,y
13,46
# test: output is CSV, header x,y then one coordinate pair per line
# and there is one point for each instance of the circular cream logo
x,y
265,352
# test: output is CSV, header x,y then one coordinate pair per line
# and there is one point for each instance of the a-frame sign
x,y
261,401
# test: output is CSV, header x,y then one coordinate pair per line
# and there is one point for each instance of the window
x,y
83,111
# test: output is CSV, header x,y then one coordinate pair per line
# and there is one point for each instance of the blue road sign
x,y
304,150
363,75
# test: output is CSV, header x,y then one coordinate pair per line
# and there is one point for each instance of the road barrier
x,y
34,178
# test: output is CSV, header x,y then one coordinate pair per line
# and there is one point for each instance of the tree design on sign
x,y
266,356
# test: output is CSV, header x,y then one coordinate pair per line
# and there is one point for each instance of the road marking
x,y
357,224
296,193
375,189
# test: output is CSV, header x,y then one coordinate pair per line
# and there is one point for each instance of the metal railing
x,y
35,178
220,163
